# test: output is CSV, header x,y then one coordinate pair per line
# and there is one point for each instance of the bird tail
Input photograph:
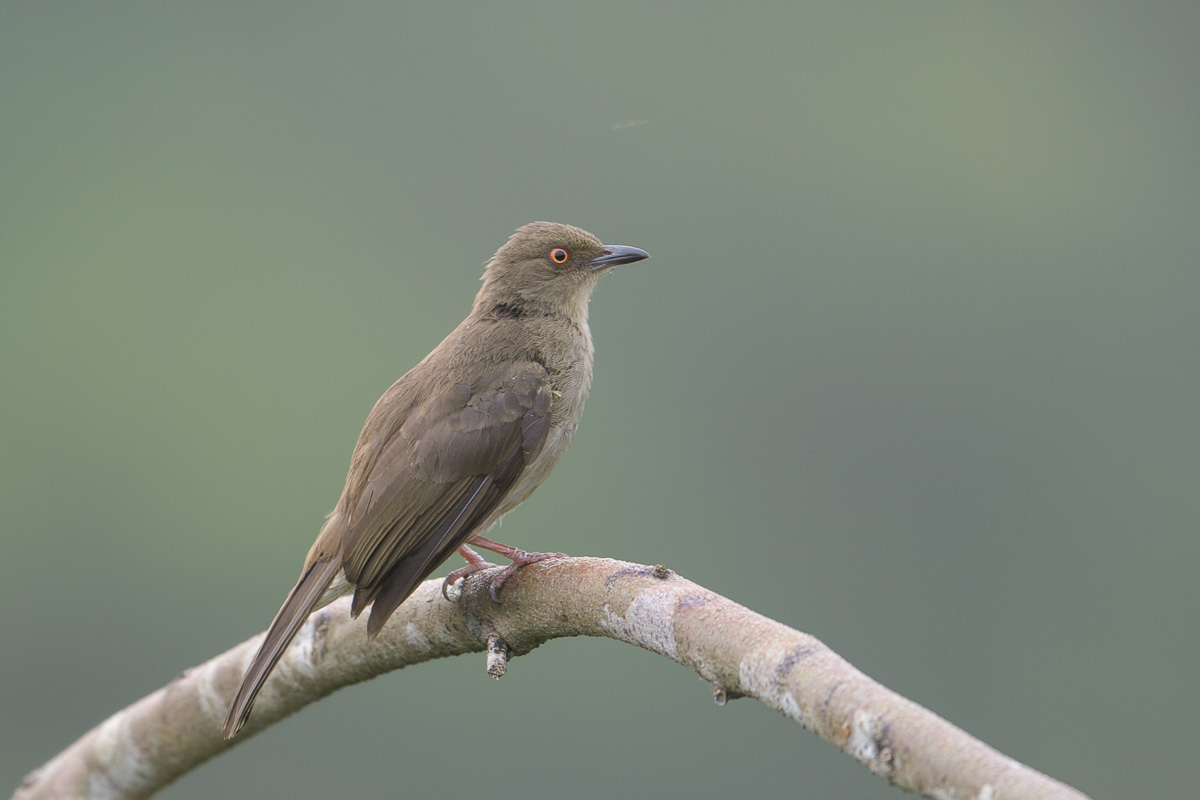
x,y
304,598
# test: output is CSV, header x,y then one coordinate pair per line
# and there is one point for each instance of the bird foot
x,y
520,559
477,563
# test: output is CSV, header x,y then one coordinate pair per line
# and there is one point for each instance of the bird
x,y
457,442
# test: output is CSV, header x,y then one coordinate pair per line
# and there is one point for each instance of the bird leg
x,y
476,562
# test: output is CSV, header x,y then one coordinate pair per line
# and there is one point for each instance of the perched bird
x,y
457,442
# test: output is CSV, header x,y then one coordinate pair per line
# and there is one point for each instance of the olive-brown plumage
x,y
458,441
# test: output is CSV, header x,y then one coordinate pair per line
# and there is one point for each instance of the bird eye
x,y
558,255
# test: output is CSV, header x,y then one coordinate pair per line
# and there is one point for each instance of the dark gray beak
x,y
615,254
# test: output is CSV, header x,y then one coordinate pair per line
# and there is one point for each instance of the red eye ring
x,y
558,255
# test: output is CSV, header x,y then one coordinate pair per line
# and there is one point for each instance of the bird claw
x,y
519,559
462,572
476,563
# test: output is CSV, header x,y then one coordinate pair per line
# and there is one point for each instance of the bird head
x,y
551,266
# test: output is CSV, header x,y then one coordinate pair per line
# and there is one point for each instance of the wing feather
x,y
441,474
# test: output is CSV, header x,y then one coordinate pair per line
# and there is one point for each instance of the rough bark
x,y
146,746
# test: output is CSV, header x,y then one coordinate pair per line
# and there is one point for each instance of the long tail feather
x,y
302,601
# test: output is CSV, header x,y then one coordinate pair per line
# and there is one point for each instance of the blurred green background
x,y
913,367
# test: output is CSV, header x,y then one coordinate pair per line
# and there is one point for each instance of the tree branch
x,y
146,746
